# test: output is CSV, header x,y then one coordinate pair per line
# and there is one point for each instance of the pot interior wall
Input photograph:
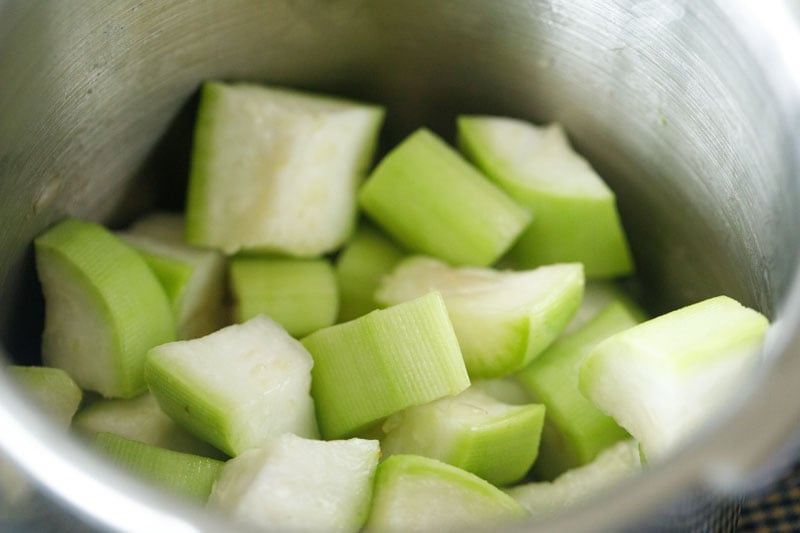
x,y
97,101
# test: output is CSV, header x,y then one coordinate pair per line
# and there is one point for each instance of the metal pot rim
x,y
716,459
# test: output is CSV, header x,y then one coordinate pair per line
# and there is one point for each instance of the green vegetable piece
x,y
104,308
577,430
388,360
299,294
506,389
363,262
597,295
575,213
414,493
664,378
57,395
611,466
163,226
300,484
192,277
237,388
433,202
503,319
142,420
276,170
181,473
51,389
495,441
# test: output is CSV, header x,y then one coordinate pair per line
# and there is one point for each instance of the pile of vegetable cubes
x,y
320,341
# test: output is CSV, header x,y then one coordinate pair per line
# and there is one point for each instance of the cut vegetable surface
x,y
193,278
299,294
360,266
383,362
300,484
502,319
51,389
597,295
577,430
163,226
104,308
238,388
576,218
140,419
434,202
663,378
496,441
277,170
414,493
506,389
613,465
182,473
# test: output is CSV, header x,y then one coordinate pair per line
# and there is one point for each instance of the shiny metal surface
x,y
691,110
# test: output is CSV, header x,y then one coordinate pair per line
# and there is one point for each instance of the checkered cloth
x,y
775,510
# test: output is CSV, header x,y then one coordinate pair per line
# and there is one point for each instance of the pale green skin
x,y
361,264
425,195
104,308
237,388
414,493
662,379
388,360
300,484
597,295
503,319
51,389
577,431
181,473
575,213
173,274
495,441
140,419
276,170
613,465
193,278
300,294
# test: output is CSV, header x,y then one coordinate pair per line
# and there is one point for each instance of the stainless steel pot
x,y
690,109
